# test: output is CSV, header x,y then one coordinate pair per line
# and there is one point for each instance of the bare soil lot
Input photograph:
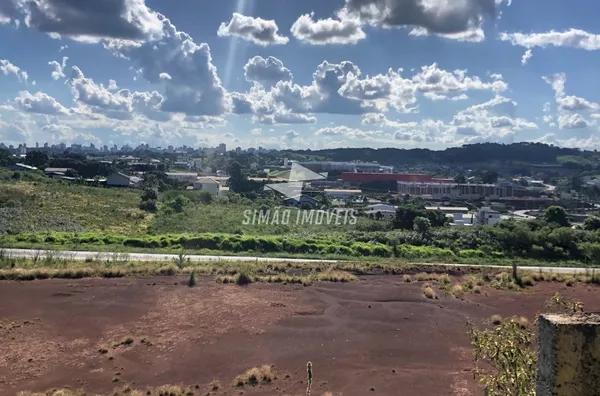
x,y
376,336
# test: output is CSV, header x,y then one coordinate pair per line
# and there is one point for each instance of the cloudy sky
x,y
300,73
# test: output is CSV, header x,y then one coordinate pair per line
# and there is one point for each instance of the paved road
x,y
523,214
78,255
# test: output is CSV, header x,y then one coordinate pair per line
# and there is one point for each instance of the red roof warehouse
x,y
360,177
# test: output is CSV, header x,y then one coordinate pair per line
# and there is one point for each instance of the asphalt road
x,y
79,255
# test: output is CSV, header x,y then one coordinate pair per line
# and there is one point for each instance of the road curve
x,y
81,256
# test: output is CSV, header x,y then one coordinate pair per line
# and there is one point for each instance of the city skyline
x,y
310,74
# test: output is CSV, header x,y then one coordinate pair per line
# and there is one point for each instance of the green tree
x,y
237,180
149,194
557,214
6,158
489,177
148,206
205,197
460,179
592,223
421,225
36,158
178,204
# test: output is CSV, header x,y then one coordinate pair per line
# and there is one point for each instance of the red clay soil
x,y
376,336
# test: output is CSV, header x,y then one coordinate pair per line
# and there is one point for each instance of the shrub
x,y
148,206
256,375
242,279
527,280
444,279
214,384
205,197
509,356
149,195
429,292
457,291
192,280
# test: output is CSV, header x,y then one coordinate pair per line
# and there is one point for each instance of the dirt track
x,y
378,334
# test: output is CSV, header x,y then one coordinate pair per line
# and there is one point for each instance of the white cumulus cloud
x,y
59,68
266,71
8,68
39,102
327,31
257,30
87,20
574,38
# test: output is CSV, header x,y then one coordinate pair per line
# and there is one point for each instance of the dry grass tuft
x,y
496,319
527,280
256,375
429,292
215,385
406,278
444,279
457,291
523,322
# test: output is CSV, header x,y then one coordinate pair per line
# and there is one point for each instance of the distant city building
x,y
222,148
332,166
187,177
367,177
341,193
448,191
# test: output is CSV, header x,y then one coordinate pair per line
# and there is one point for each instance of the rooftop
x,y
448,208
206,180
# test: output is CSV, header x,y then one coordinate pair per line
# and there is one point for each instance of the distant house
x,y
21,167
299,200
119,179
341,194
207,184
487,216
56,172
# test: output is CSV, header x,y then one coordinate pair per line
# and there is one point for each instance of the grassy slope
x,y
228,218
49,204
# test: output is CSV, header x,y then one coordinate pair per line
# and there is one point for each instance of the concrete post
x,y
569,355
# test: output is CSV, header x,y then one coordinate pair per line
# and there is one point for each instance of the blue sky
x,y
300,74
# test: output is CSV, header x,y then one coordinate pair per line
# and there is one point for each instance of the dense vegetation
x,y
509,241
472,153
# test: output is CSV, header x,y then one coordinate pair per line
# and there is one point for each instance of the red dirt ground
x,y
376,336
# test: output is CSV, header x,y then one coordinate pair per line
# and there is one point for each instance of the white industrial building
x,y
341,193
443,191
483,216
181,176
333,166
